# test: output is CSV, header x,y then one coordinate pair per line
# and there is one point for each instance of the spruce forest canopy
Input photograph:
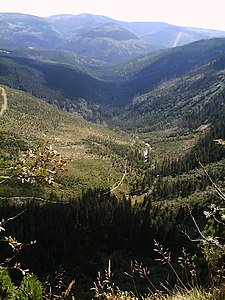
x,y
133,107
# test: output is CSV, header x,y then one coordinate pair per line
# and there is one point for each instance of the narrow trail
x,y
5,102
121,181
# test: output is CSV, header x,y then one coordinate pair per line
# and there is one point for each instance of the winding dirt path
x,y
5,101
121,181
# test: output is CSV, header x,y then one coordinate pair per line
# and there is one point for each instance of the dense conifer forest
x,y
82,235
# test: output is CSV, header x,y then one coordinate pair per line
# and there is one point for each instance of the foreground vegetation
x,y
84,233
78,238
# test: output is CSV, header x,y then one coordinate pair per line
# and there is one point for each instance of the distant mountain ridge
x,y
24,31
137,93
108,42
97,37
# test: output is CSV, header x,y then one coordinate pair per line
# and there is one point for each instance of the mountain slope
x,y
173,36
53,81
70,25
190,100
146,73
24,31
158,34
108,42
96,153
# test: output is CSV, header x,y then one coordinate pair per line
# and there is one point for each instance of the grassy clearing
x,y
170,143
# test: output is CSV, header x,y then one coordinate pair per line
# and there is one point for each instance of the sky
x,y
195,13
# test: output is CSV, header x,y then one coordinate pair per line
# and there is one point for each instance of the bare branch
x,y
210,240
217,189
14,217
8,178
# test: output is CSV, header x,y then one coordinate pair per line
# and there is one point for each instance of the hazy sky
x,y
197,13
